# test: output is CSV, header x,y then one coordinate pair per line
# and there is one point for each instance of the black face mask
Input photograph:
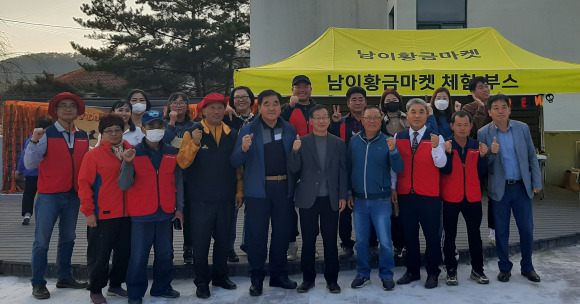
x,y
392,106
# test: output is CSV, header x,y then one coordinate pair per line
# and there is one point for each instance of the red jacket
x,y
99,190
462,182
58,171
420,173
152,188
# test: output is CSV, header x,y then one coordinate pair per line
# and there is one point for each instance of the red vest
x,y
463,181
59,170
152,189
419,172
300,123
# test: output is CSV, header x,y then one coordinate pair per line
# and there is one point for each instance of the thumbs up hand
x,y
391,143
448,147
297,144
482,149
434,141
247,142
494,146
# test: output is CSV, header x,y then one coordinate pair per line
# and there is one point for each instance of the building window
x,y
441,14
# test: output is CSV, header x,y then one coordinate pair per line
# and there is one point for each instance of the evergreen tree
x,y
169,45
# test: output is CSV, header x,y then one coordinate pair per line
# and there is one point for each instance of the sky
x,y
27,38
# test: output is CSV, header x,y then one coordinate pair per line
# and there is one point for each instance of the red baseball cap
x,y
213,97
65,95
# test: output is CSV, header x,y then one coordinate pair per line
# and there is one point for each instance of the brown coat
x,y
479,114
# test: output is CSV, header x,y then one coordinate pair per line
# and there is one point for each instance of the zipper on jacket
x,y
158,194
365,170
73,169
124,203
413,168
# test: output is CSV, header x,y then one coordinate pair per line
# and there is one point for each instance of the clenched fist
x,y
482,149
447,146
37,134
494,146
457,106
172,118
297,144
247,142
392,143
196,136
434,140
129,155
293,101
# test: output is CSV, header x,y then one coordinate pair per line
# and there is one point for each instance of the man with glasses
x,y
319,158
296,112
57,152
371,155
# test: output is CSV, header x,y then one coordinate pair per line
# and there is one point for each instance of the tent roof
x,y
415,62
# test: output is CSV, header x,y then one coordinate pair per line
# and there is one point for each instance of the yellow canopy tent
x,y
414,62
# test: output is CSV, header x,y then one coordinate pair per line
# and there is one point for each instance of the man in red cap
x,y
57,152
210,190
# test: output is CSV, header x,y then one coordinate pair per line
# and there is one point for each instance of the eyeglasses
x,y
72,106
241,97
111,132
178,103
320,119
372,118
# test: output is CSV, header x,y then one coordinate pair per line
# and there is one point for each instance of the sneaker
x,y
479,277
169,293
40,292
347,253
398,252
491,236
116,292
532,276
26,220
451,278
359,282
97,298
292,251
432,281
188,255
504,276
71,283
388,284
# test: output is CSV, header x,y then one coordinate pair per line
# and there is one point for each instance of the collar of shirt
x,y
60,128
266,126
421,133
508,128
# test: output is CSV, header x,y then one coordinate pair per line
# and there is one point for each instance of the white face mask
x,y
441,104
139,108
155,135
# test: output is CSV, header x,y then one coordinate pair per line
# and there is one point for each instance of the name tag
x,y
277,136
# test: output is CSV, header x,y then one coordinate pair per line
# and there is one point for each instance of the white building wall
x,y
280,28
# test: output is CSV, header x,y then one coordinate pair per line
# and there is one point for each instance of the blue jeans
x,y
516,199
143,236
50,207
377,213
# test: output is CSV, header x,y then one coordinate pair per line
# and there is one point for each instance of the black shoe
x,y
202,291
169,293
283,282
532,276
333,287
479,277
359,282
451,278
347,252
187,255
26,221
135,301
233,257
224,283
72,283
40,292
244,248
256,288
305,286
432,281
504,276
408,278
388,284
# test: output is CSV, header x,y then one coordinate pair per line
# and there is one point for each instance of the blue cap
x,y
151,116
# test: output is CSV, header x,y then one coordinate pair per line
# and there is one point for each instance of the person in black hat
x,y
57,152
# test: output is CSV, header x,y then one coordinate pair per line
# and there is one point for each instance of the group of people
x,y
387,170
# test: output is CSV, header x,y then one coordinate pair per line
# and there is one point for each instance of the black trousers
x,y
210,219
309,218
30,189
295,231
278,209
490,218
472,214
397,234
416,210
110,235
345,230
187,225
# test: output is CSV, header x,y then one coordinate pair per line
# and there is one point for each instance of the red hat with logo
x,y
65,95
213,97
